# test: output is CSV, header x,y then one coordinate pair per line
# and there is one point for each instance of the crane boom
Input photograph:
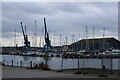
x,y
26,42
23,31
45,28
47,41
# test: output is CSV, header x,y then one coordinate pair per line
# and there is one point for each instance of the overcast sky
x,y
65,18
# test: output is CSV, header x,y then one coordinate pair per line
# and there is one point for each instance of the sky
x,y
65,18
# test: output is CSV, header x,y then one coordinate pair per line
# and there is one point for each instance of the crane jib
x,y
22,30
45,28
47,41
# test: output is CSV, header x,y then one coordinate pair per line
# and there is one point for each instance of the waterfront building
x,y
96,44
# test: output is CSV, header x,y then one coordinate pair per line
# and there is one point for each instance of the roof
x,y
98,40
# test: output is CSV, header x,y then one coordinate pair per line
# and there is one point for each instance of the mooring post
x,y
111,66
30,64
4,62
42,65
102,69
78,71
78,63
7,62
12,63
17,64
20,63
62,64
34,64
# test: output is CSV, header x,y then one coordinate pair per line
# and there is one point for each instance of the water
x,y
55,62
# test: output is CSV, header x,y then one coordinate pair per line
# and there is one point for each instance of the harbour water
x,y
55,62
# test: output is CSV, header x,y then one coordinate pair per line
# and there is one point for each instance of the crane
x,y
26,42
47,41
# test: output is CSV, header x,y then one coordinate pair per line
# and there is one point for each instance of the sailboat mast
x,y
60,42
93,40
86,39
35,33
103,38
54,38
15,39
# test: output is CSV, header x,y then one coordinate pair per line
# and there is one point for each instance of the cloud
x,y
65,18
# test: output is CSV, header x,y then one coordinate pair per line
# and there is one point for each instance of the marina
x,y
82,55
52,40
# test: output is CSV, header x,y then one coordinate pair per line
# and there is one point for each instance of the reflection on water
x,y
26,58
0,58
55,62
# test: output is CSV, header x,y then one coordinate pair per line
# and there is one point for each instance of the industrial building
x,y
96,44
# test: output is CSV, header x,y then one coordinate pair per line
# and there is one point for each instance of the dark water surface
x,y
55,62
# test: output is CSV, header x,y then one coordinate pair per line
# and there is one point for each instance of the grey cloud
x,y
64,18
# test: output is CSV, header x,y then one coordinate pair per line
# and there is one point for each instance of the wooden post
x,y
4,62
30,64
17,64
111,66
78,64
20,63
78,71
7,62
62,64
12,63
42,65
34,65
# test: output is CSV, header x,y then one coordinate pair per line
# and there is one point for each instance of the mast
x,y
103,38
54,38
40,42
15,39
66,40
35,33
60,39
60,42
33,44
86,39
42,38
93,40
72,42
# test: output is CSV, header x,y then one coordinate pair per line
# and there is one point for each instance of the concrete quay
x,y
17,72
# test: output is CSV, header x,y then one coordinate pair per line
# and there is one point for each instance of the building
x,y
97,44
66,48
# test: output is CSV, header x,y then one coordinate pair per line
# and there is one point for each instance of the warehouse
x,y
96,44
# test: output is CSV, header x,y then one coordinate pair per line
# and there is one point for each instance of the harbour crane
x,y
47,46
26,42
47,40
